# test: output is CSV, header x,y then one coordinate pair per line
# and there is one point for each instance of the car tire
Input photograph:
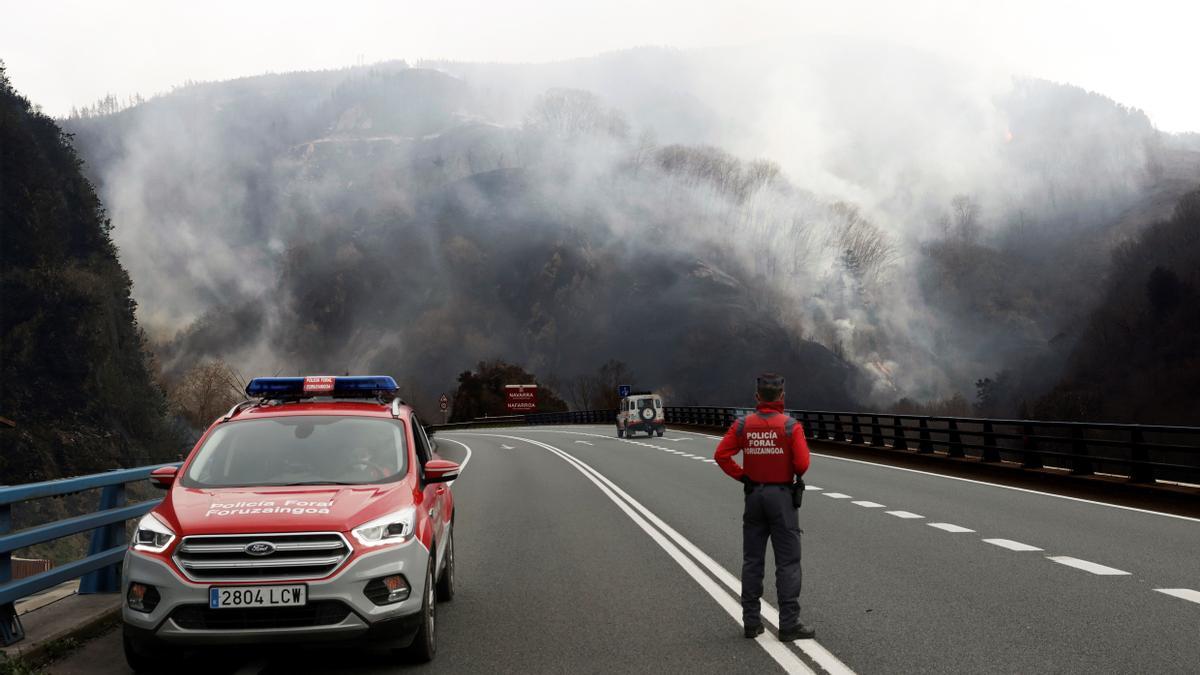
x,y
620,432
424,645
661,432
145,655
445,584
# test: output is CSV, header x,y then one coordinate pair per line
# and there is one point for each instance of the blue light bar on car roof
x,y
322,385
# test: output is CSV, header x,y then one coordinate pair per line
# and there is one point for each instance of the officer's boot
x,y
797,632
753,630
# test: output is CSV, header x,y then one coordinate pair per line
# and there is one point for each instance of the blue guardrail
x,y
100,569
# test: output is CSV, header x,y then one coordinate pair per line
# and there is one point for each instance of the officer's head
x,y
769,387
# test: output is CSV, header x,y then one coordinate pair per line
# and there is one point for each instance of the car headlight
x,y
152,535
394,528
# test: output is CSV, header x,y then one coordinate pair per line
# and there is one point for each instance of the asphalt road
x,y
579,552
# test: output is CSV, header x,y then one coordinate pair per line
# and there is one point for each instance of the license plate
x,y
257,596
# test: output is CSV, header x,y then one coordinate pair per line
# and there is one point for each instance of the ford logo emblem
x,y
260,548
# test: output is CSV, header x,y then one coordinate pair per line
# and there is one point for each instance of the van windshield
x,y
301,450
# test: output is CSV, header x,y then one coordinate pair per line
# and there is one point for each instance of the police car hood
x,y
337,508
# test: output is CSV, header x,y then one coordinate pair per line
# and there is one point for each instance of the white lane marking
x,y
711,461
869,505
811,487
1012,545
822,656
507,447
462,466
585,442
904,514
675,440
949,527
1184,593
686,454
981,482
701,458
782,655
837,495
1085,565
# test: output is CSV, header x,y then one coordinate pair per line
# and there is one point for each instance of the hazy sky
x,y
73,52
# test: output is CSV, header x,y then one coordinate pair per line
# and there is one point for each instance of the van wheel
x,y
424,645
145,655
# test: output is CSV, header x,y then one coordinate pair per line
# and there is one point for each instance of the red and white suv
x,y
319,511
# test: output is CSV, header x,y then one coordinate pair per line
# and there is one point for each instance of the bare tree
x,y
966,217
598,390
205,391
570,113
865,249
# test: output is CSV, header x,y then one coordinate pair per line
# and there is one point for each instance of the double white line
x,y
676,544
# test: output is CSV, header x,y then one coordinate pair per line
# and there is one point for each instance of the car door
x,y
433,492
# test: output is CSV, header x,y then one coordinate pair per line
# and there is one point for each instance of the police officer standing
x,y
775,454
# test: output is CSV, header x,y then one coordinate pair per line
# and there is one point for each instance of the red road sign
x,y
444,403
520,398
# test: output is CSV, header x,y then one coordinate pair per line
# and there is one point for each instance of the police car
x,y
318,511
641,411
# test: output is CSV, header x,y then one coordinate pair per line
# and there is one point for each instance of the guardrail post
x,y
990,453
11,630
876,432
838,434
926,445
1080,464
822,432
899,442
1139,473
956,448
808,430
1028,443
108,579
856,436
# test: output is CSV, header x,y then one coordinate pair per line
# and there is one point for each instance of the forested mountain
x,y
75,388
874,222
1138,357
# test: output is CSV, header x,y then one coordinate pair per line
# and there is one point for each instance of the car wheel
x,y
661,432
445,585
144,655
620,432
424,645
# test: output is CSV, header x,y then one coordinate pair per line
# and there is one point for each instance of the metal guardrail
x,y
1143,453
99,569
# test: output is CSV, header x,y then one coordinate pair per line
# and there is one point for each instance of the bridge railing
x,y
1141,452
99,570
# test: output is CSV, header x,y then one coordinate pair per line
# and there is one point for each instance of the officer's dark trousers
x,y
769,513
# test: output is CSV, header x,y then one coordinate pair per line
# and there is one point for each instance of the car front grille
x,y
201,617
294,556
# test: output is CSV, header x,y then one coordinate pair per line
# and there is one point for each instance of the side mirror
x,y
163,477
440,471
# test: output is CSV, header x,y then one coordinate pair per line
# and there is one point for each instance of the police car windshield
x,y
303,450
